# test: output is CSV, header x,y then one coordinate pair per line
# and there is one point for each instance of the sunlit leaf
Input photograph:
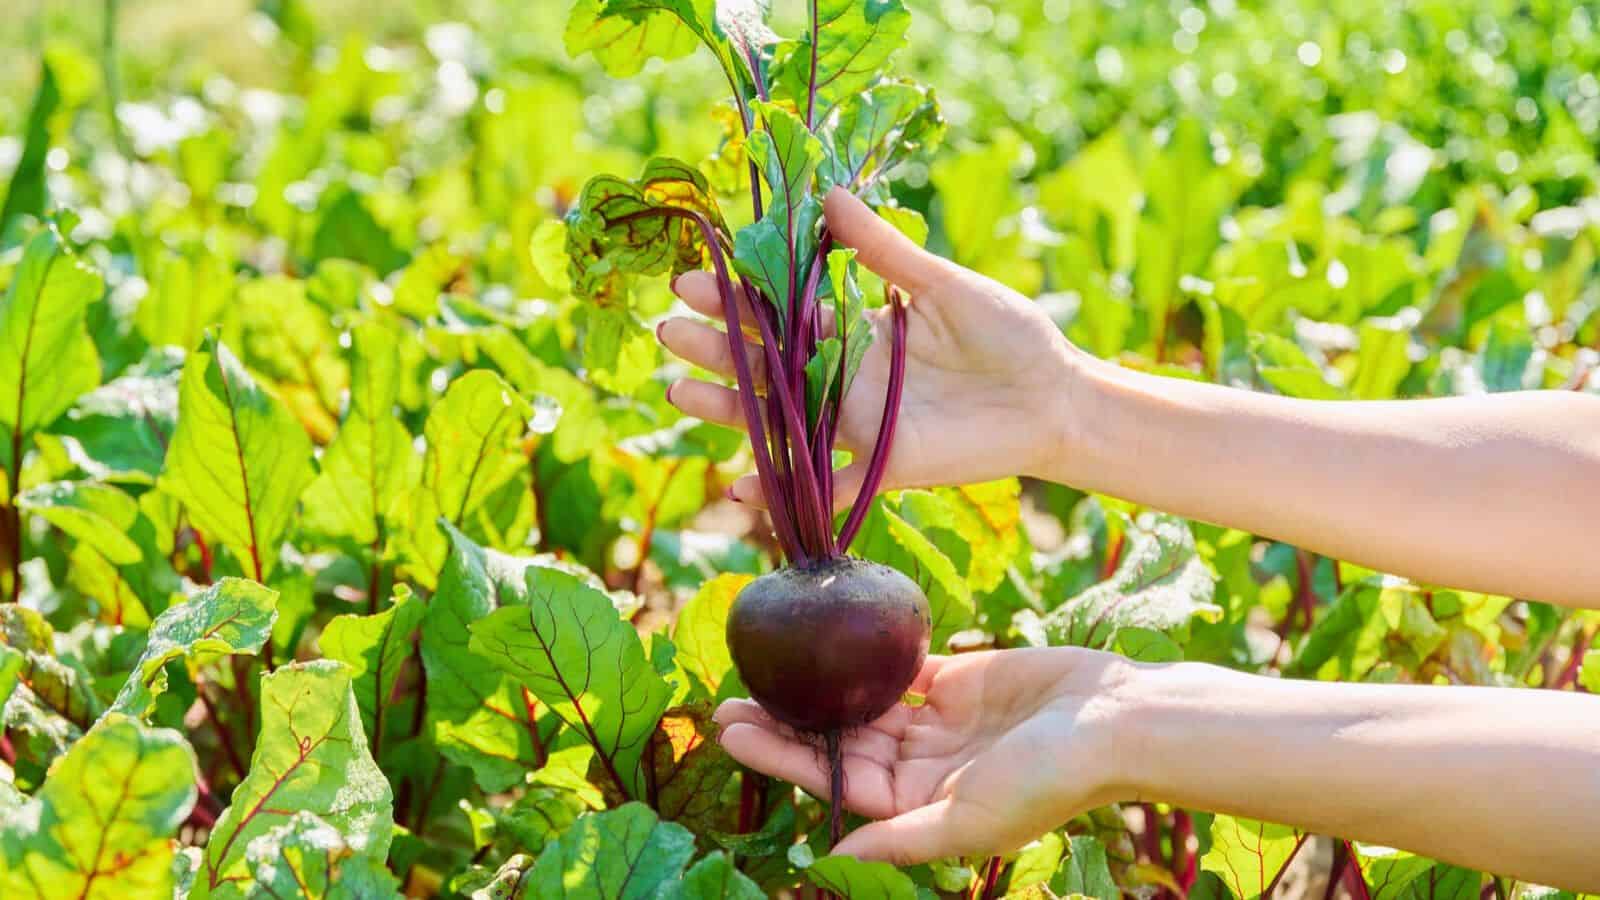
x,y
311,757
1247,854
230,617
238,460
104,824
374,647
569,648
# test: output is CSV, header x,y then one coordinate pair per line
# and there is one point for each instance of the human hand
x,y
1007,745
985,367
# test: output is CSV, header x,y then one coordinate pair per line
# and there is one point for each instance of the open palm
x,y
1005,746
979,361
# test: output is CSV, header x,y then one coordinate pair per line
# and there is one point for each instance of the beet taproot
x,y
829,645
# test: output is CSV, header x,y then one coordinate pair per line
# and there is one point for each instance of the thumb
x,y
915,837
880,246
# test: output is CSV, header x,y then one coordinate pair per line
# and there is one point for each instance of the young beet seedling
x,y
828,642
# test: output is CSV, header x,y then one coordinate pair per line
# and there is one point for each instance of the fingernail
x,y
728,492
670,386
673,284
660,325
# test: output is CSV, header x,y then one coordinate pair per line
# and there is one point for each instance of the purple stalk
x,y
811,81
809,512
891,414
777,500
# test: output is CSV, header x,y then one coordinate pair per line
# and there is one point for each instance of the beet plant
x,y
827,642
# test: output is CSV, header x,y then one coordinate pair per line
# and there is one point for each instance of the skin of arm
x,y
1496,493
1501,779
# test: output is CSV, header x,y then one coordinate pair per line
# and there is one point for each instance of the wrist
x,y
1157,714
1077,400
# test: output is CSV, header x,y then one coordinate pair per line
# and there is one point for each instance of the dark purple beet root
x,y
831,645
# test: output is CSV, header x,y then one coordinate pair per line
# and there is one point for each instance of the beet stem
x,y
891,413
835,788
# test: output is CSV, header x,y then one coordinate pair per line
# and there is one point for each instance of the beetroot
x,y
829,645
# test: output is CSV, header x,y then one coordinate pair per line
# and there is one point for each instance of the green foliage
x,y
310,321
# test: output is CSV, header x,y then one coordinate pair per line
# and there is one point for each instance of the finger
x,y
930,670
869,741
704,400
880,246
924,833
868,790
707,347
846,485
699,291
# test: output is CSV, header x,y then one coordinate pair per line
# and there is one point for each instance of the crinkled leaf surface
x,y
311,756
238,460
233,616
1160,583
569,648
120,430
612,234
104,824
855,41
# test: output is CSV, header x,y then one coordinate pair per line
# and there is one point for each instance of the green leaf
x,y
103,825
1282,364
612,235
573,652
1160,583
1247,854
11,663
474,438
856,880
348,230
1085,871
701,633
987,517
307,857
876,130
1384,360
624,34
1387,871
27,191
46,356
238,460
310,757
189,292
478,716
97,515
120,430
371,465
624,854
853,50
233,616
374,647
714,877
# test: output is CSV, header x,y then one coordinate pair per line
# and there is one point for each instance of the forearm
x,y
1494,493
1446,772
